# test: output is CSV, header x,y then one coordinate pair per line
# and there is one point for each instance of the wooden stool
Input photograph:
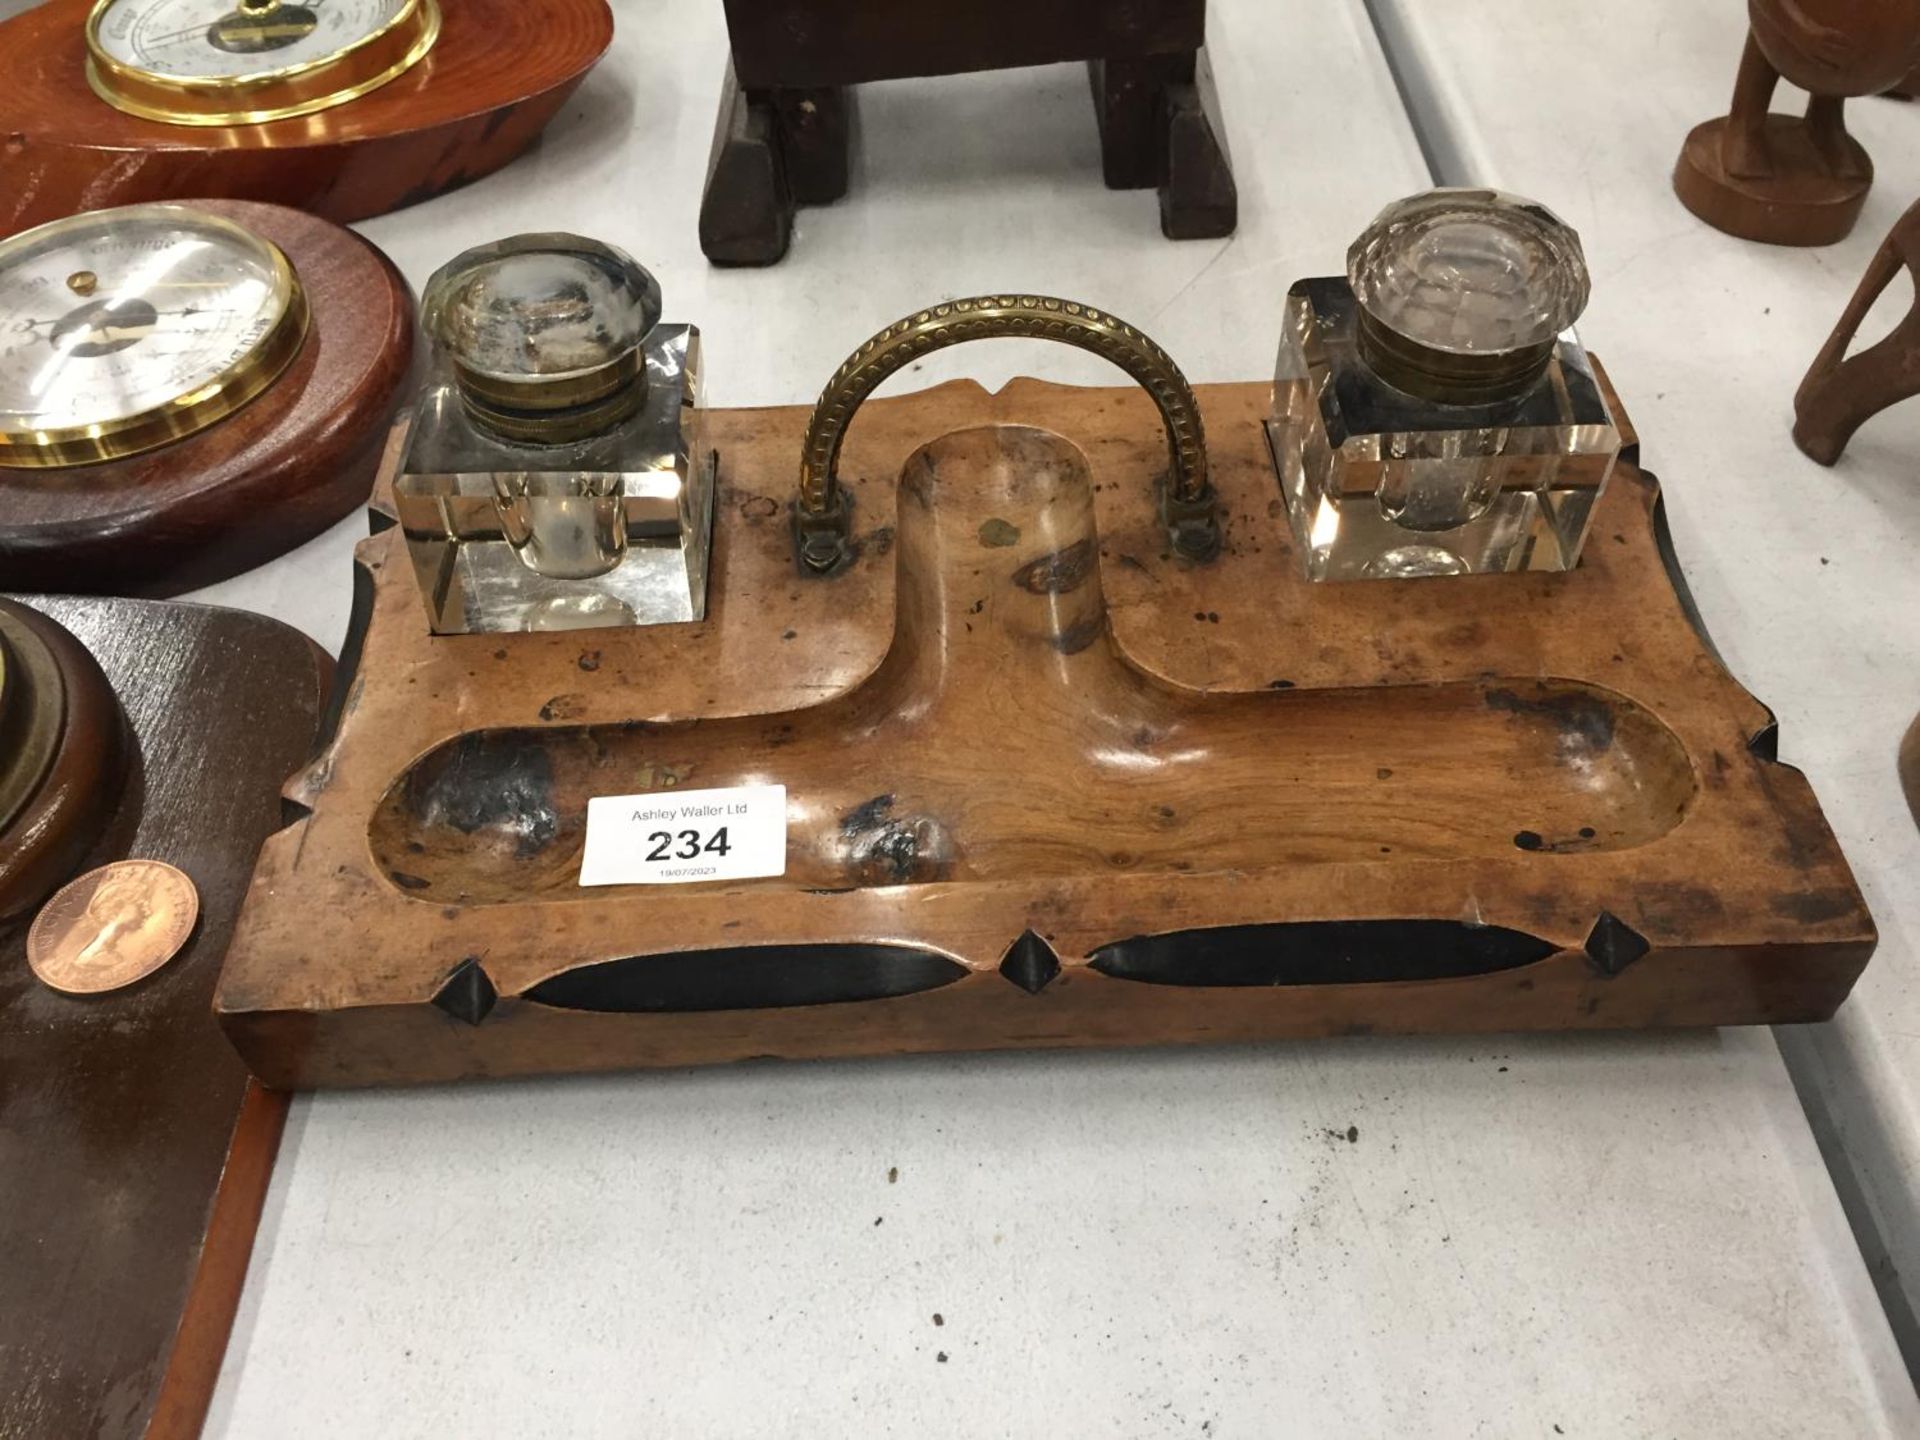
x,y
786,109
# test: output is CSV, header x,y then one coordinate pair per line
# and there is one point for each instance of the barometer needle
x,y
148,41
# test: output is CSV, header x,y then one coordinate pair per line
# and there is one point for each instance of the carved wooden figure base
x,y
1841,392
1797,180
252,486
134,1150
1800,203
786,103
499,72
1048,784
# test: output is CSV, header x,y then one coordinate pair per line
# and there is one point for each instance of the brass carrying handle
x,y
821,523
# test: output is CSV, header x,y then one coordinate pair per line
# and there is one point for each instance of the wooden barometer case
x,y
64,751
188,389
134,1148
1017,719
343,108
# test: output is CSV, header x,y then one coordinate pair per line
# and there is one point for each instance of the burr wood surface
x,y
1048,784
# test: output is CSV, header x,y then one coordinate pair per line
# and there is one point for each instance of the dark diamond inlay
x,y
468,993
1613,944
1030,963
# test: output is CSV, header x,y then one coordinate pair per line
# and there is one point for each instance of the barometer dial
x,y
122,330
223,62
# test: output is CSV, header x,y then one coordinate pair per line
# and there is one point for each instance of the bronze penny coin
x,y
112,926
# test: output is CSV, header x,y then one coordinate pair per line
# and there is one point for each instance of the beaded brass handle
x,y
820,515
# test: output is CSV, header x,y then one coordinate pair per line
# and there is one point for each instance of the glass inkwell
x,y
556,475
1433,412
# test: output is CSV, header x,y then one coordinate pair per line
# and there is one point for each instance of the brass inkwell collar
x,y
544,333
1463,293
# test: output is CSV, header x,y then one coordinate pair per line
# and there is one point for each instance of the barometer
x,y
127,329
343,108
187,389
230,62
62,754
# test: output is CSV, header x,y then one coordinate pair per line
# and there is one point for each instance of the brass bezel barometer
x,y
140,349
187,388
211,82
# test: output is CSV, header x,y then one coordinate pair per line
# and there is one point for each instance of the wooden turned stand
x,y
63,756
786,106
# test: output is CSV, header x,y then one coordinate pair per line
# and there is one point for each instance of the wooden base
x,y
779,147
265,479
134,1151
499,72
1048,784
1800,203
79,742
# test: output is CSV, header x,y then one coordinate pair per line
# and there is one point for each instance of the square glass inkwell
x,y
557,474
1434,412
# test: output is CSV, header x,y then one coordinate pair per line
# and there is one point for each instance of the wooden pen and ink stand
x,y
1074,755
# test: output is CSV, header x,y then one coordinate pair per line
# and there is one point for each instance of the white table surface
x,y
1626,1235
1808,578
